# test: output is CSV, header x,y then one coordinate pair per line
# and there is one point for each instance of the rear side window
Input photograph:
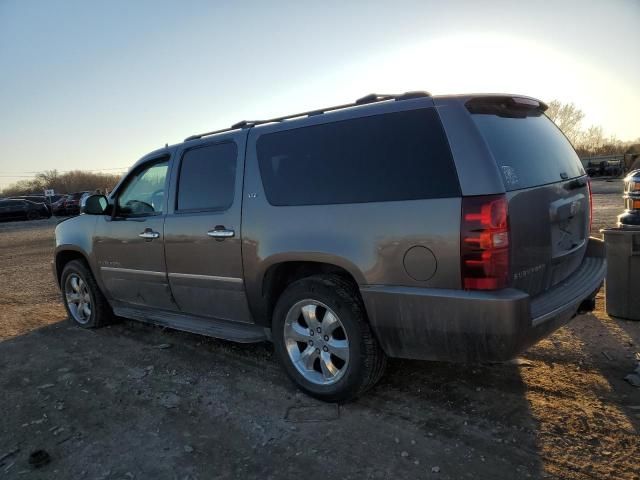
x,y
529,150
207,177
395,156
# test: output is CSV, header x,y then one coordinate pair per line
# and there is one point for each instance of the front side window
x,y
207,178
144,192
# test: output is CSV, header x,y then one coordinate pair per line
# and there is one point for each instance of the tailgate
x,y
547,190
549,228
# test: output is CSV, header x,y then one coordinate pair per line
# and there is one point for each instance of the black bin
x,y
622,287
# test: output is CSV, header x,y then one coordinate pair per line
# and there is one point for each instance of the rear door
x,y
547,191
202,230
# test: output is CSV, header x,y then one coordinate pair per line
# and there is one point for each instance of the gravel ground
x,y
135,401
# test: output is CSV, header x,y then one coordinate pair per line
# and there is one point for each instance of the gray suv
x,y
414,226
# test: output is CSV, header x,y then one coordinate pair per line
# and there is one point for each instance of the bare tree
x,y
568,118
592,139
587,142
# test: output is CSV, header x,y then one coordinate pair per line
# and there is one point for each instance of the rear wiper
x,y
576,183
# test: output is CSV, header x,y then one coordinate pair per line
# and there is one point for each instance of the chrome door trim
x,y
205,277
149,235
131,270
226,233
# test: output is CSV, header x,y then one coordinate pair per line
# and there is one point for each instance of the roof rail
x,y
376,97
200,135
371,98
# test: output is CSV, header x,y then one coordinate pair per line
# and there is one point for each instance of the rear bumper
x,y
459,325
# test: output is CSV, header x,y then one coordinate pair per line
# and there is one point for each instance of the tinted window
x,y
144,192
529,151
396,156
208,177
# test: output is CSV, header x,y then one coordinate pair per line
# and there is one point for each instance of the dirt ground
x,y
133,401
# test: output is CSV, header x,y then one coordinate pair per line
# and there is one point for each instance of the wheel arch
x,y
66,254
278,276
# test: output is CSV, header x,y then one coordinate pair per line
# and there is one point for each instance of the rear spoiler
x,y
506,106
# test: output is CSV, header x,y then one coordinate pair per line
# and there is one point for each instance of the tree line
x,y
588,141
68,182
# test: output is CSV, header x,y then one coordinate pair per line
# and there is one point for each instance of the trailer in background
x,y
605,165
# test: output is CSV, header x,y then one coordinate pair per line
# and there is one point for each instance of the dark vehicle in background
x,y
39,198
58,206
19,209
48,201
437,228
32,198
71,204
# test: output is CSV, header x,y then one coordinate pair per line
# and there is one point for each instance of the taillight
x,y
484,242
590,204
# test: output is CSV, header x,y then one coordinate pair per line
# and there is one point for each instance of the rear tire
x,y
324,341
32,215
85,304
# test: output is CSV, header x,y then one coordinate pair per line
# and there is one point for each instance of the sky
x,y
96,85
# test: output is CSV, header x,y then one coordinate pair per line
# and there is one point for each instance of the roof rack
x,y
371,98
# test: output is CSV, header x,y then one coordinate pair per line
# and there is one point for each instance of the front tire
x,y
85,304
323,340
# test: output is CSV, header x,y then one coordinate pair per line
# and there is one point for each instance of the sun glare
x,y
484,62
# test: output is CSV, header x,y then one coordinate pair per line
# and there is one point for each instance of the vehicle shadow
x,y
140,380
482,408
538,417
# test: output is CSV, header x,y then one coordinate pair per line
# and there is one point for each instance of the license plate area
x,y
568,225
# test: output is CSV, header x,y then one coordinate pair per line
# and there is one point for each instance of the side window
x,y
207,178
144,192
380,158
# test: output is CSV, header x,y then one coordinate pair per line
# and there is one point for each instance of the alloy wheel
x,y
316,342
78,298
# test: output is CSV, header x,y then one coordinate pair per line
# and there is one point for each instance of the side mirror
x,y
95,205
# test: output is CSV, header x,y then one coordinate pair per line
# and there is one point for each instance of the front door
x,y
129,246
202,231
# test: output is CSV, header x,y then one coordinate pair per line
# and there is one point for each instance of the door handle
x,y
149,234
221,233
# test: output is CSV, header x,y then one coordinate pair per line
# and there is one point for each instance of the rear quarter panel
x,y
369,240
477,171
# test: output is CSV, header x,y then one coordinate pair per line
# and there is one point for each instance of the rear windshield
x,y
529,151
381,158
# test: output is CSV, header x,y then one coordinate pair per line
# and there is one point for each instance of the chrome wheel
x,y
78,299
316,342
